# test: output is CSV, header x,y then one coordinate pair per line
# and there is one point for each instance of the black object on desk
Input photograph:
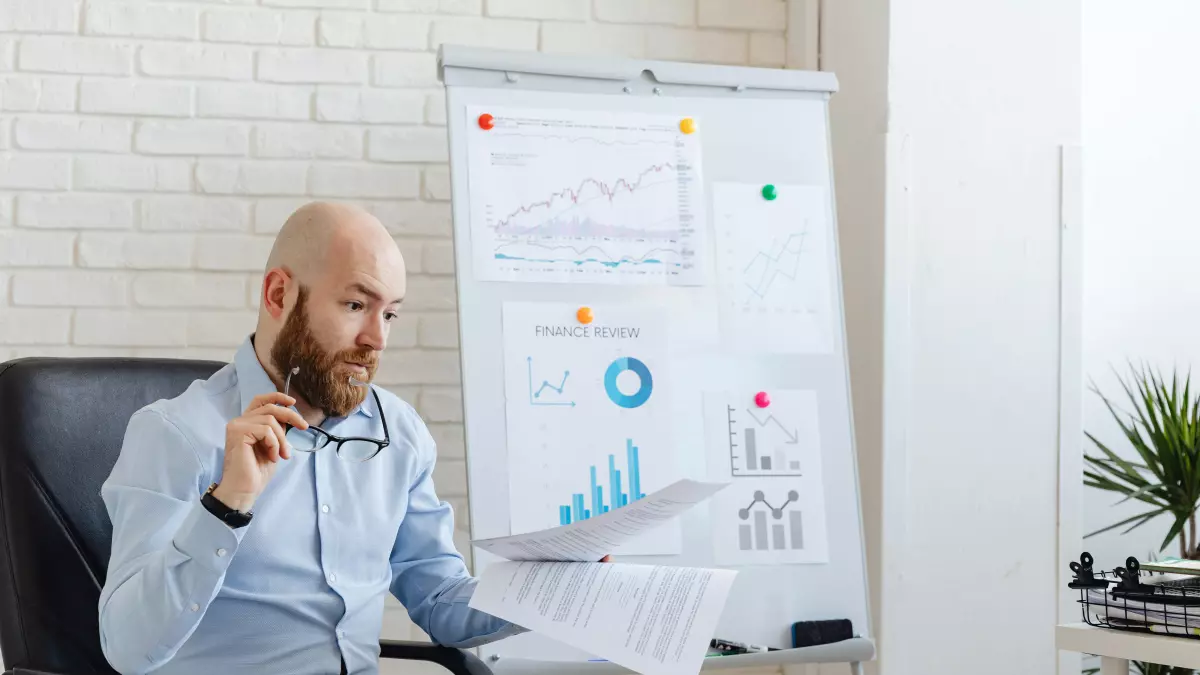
x,y
812,633
1130,598
1085,577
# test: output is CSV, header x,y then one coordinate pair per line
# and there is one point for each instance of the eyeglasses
x,y
352,448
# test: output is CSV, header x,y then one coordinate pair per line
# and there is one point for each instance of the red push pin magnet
x,y
486,121
762,399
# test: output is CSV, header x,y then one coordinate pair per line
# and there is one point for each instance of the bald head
x,y
317,232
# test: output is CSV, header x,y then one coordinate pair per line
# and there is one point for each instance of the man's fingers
x,y
263,436
269,441
284,415
277,431
274,397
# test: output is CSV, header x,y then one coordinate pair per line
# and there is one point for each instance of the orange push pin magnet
x,y
687,125
486,121
584,315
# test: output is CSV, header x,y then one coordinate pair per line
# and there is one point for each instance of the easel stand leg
x,y
1113,666
856,668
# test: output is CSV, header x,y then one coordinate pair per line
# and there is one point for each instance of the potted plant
x,y
1164,429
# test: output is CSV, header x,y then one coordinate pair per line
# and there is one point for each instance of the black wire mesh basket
x,y
1132,599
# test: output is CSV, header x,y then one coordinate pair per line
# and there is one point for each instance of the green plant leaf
x,y
1175,530
1162,428
1142,516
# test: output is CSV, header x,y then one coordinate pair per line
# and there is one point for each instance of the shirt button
x,y
195,607
220,553
332,578
341,634
324,508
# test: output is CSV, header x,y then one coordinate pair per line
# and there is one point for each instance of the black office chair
x,y
61,426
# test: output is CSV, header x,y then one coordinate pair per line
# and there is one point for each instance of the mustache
x,y
366,358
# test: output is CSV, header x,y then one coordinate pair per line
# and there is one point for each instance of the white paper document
x,y
589,540
574,196
774,510
650,619
775,267
584,408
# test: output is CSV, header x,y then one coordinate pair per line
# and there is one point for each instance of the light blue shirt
x,y
303,585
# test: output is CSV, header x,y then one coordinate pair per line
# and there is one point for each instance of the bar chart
x,y
777,533
592,503
761,445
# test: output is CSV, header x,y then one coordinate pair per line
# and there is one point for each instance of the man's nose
x,y
374,334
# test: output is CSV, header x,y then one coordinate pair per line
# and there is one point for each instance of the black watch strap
x,y
230,517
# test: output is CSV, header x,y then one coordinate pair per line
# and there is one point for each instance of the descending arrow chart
x,y
774,441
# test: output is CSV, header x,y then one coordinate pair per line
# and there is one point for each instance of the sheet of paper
x,y
774,509
584,405
650,619
774,266
586,197
589,540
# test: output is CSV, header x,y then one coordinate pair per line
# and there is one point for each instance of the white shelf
x,y
1118,644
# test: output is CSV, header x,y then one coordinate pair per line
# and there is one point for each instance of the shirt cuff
x,y
508,630
207,540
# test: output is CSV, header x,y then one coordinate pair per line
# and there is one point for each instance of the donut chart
x,y
616,395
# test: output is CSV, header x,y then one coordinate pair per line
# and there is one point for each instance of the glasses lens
x,y
305,441
358,451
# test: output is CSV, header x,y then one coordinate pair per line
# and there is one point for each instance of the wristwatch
x,y
230,517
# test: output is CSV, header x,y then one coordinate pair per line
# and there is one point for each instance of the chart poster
x,y
775,268
586,197
773,511
586,408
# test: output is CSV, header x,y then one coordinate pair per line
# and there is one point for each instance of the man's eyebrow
x,y
361,288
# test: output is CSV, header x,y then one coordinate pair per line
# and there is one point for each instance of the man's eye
x,y
389,316
354,306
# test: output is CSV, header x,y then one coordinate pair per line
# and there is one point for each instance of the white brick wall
x,y
149,151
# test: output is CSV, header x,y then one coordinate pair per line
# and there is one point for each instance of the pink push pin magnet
x,y
762,399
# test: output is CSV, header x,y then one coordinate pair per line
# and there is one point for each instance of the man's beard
x,y
322,381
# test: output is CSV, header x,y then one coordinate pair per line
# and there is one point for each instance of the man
x,y
247,540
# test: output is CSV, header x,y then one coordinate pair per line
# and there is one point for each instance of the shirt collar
x,y
254,381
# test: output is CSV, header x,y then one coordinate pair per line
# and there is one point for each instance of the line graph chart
x,y
586,197
555,397
773,262
780,261
566,212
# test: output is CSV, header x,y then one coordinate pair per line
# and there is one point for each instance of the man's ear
x,y
275,286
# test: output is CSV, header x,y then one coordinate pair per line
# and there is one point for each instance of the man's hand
x,y
254,444
607,558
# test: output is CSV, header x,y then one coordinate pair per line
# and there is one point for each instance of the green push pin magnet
x,y
768,192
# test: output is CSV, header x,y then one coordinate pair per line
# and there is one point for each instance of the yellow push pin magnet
x,y
687,125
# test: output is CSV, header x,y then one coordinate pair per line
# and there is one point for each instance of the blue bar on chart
x,y
614,479
635,476
576,510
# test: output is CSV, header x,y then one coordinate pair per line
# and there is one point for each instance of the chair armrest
x,y
456,661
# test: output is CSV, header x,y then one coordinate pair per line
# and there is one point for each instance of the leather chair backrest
x,y
62,421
